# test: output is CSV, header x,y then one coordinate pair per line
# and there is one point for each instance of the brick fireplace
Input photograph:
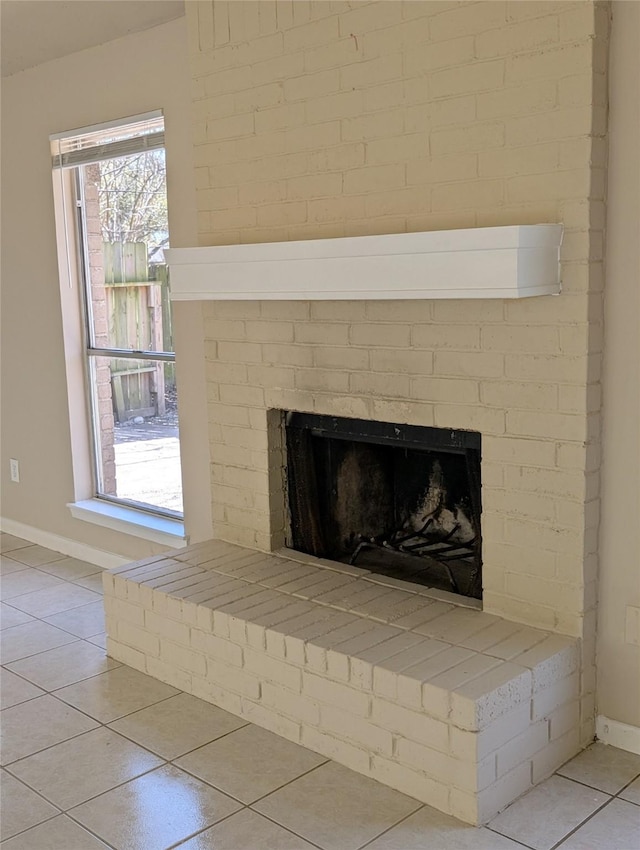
x,y
335,656
340,120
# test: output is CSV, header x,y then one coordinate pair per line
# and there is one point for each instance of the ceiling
x,y
36,31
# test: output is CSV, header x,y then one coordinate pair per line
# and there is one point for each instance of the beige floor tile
x,y
99,640
26,581
85,621
9,542
71,569
336,808
14,689
548,812
8,566
429,828
177,725
10,616
30,638
606,768
54,600
247,830
101,760
250,763
39,723
92,582
64,665
34,556
616,827
61,833
115,694
155,811
20,807
632,793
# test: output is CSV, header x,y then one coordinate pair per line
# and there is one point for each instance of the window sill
x,y
162,530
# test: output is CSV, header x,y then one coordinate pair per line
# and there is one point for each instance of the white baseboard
x,y
617,734
72,548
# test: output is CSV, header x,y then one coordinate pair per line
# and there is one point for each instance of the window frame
x,y
154,522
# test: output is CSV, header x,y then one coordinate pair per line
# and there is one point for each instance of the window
x,y
113,205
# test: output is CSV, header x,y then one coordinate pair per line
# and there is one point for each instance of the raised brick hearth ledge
x,y
457,708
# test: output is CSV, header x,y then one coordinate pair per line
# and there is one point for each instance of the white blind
x,y
107,141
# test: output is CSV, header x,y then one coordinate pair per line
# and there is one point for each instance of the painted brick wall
x,y
317,119
322,119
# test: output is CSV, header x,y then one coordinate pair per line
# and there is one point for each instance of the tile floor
x,y
96,755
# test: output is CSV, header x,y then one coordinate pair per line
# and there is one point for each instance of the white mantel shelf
x,y
519,261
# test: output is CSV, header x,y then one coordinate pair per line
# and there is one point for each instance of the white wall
x,y
132,75
618,655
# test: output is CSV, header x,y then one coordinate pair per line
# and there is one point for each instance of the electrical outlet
x,y
14,466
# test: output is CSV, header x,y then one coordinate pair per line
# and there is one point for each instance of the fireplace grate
x,y
422,544
438,554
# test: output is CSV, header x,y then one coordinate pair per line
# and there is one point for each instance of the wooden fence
x,y
139,317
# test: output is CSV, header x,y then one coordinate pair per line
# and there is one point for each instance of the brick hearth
x,y
457,707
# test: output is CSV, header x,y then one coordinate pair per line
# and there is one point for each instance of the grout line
x,y
43,618
631,802
33,825
16,548
90,831
289,782
227,817
33,654
220,737
81,711
17,610
12,564
63,578
7,669
582,823
116,665
510,837
585,784
42,651
7,766
182,755
393,826
204,829
115,787
630,782
282,826
120,716
25,701
34,566
35,791
21,567
228,793
576,782
66,631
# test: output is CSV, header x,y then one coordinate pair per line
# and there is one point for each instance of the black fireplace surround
x,y
401,500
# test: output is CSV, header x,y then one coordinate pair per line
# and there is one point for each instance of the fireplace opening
x,y
400,500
